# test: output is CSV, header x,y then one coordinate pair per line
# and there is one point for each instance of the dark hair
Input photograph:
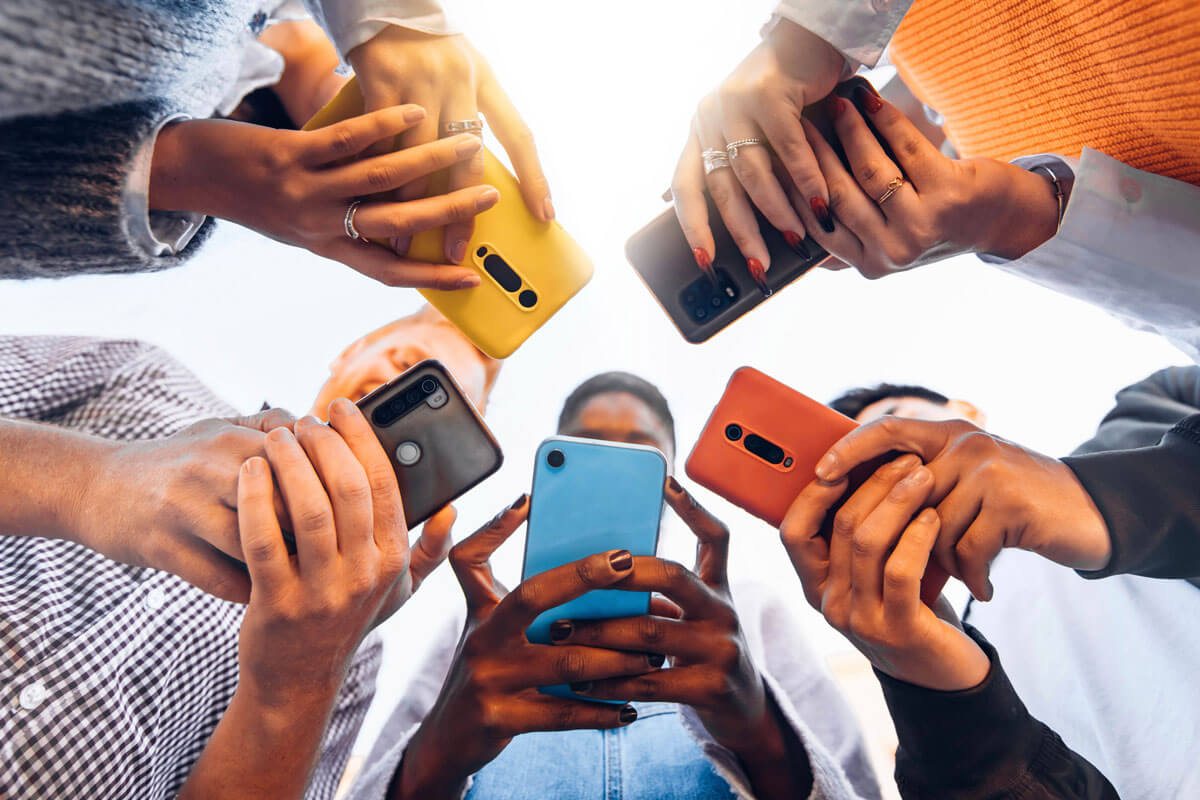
x,y
607,382
854,401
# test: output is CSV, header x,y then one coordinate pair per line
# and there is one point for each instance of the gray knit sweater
x,y
82,85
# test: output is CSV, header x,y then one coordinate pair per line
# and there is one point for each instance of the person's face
x,y
620,417
381,355
920,408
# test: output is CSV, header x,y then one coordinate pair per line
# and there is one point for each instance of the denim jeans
x,y
652,759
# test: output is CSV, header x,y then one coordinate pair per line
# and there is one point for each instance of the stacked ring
x,y
463,126
715,159
348,222
733,147
894,184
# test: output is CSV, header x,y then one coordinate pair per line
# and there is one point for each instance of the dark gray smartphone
x,y
660,255
438,444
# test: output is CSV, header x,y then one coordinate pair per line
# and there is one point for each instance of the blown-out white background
x,y
609,89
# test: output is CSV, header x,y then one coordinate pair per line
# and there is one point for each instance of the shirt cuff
x,y
349,23
860,29
157,233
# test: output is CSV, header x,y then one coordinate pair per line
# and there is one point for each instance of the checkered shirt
x,y
112,677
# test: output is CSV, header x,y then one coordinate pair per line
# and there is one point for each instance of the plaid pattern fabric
x,y
112,677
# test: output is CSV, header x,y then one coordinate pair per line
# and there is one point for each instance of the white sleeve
x,y
860,29
157,233
1128,244
349,23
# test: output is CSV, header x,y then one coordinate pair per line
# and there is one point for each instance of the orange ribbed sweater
x,y
1014,77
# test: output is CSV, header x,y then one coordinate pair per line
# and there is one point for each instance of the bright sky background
x,y
608,89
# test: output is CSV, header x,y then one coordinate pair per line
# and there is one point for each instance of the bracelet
x,y
1058,193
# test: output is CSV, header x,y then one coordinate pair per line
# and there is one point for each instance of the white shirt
x,y
1129,238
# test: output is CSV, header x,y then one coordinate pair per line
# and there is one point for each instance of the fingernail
x,y
487,199
759,273
341,407
459,251
917,477
837,106
253,466
704,261
628,714
548,208
655,660
674,484
519,502
796,242
927,517
560,630
906,463
414,114
581,687
281,435
621,561
868,100
825,467
821,212
466,282
468,146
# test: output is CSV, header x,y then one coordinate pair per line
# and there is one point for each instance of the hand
x,y
866,579
448,76
761,98
989,494
295,186
945,206
491,692
308,81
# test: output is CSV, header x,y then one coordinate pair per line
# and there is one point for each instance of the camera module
x,y
733,432
556,458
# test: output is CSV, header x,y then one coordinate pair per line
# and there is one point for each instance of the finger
x,y
551,665
388,529
880,531
872,167
785,132
266,553
554,587
540,712
691,209
306,501
839,240
957,510
517,140
752,166
644,634
975,552
662,607
800,533
696,686
678,583
266,421
885,434
386,267
470,558
346,486
433,545
464,174
369,176
712,555
424,132
351,136
728,195
390,220
906,565
917,155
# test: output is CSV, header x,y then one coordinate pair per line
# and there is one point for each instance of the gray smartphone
x,y
438,444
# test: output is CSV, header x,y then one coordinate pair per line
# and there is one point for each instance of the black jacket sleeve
x,y
982,743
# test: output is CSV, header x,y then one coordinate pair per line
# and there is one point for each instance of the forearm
x,y
426,771
262,749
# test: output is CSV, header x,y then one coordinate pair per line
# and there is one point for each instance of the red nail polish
x,y
821,212
837,106
705,263
796,242
869,100
759,273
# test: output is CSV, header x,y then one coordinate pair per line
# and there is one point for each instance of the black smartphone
x,y
438,444
662,258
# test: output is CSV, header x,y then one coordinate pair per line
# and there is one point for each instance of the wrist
x,y
183,176
964,667
85,514
1026,216
426,771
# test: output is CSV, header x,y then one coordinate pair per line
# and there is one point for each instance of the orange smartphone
x,y
760,448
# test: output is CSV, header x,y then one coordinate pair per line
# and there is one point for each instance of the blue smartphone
x,y
589,496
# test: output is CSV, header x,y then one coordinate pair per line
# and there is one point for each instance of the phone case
x,y
604,496
662,258
529,269
438,444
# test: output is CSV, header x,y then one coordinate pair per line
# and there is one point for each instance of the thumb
x,y
801,535
433,545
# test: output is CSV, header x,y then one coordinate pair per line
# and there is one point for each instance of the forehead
x,y
908,408
618,410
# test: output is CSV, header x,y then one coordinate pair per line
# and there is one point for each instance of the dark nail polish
x,y
837,106
868,100
796,242
674,484
821,212
655,660
628,714
560,630
581,687
621,560
759,273
705,263
519,503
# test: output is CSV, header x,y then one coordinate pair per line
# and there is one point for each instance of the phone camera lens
x,y
733,432
481,252
429,386
716,301
787,462
527,298
701,313
556,458
412,395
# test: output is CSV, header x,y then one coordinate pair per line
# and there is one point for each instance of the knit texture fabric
x,y
1014,77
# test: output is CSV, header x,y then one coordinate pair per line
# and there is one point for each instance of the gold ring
x,y
894,184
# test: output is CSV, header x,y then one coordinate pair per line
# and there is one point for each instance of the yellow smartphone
x,y
529,269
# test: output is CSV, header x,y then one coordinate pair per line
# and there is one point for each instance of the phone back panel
x,y
454,452
759,405
543,266
605,496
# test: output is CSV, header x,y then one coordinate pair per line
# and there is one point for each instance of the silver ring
x,y
715,159
474,126
348,223
733,147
